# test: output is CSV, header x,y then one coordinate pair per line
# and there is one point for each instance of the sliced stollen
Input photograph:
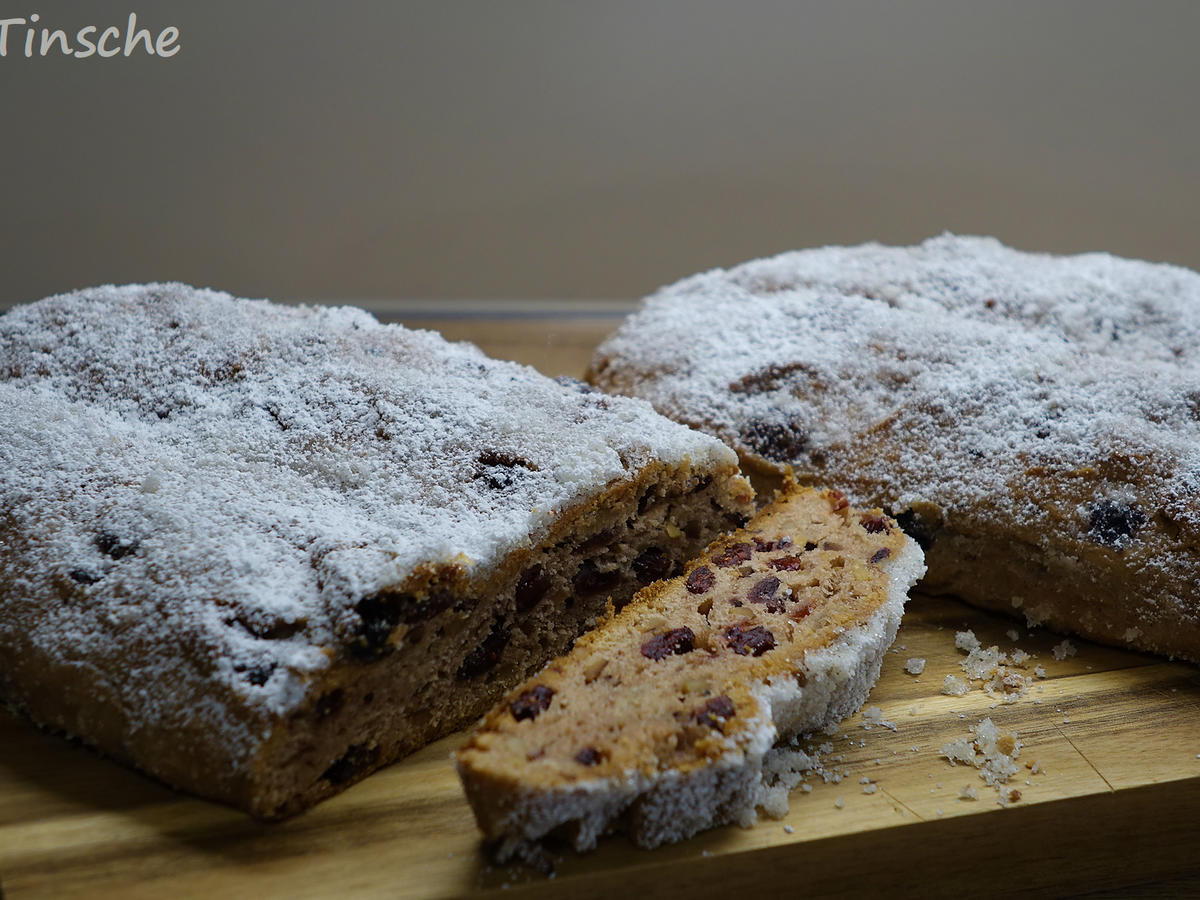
x,y
1034,420
658,721
259,551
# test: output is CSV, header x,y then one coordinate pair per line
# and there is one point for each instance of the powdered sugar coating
x,y
185,469
1059,396
1006,343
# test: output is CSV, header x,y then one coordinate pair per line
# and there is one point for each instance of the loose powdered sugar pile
x,y
221,479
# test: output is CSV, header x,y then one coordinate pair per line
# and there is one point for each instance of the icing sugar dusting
x,y
196,488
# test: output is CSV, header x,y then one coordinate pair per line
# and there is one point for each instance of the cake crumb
x,y
869,789
953,686
1063,650
968,793
989,750
1039,672
788,829
914,665
839,803
966,640
873,715
1013,634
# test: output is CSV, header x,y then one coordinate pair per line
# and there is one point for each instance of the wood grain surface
x,y
1111,812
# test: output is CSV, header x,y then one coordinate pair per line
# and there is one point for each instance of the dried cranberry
x,y
651,565
786,563
746,640
734,555
115,547
1114,523
530,703
701,580
380,613
590,580
497,468
875,524
355,761
532,587
764,593
256,675
837,500
763,546
589,756
83,576
487,655
735,520
675,642
716,712
780,441
378,617
800,610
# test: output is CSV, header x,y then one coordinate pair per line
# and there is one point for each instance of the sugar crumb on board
x,y
992,751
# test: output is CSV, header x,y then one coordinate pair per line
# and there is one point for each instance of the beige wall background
x,y
359,150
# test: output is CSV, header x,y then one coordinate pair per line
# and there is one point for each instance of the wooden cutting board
x,y
1114,803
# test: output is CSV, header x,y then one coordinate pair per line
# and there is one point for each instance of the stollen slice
x,y
658,721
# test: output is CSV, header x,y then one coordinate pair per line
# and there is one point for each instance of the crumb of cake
x,y
1039,671
788,829
1013,634
915,665
968,793
839,803
873,716
981,663
966,640
1019,658
869,789
1063,650
989,750
953,686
